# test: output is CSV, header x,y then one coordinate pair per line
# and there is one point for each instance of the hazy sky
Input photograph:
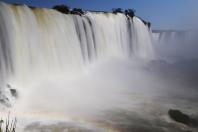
x,y
163,14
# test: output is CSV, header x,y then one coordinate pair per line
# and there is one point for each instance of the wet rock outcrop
x,y
8,96
62,8
178,116
183,118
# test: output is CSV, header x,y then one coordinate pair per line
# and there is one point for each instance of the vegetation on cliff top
x,y
78,11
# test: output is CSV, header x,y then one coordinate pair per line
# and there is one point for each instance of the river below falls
x,y
116,95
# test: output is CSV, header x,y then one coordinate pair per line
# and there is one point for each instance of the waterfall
x,y
37,43
176,45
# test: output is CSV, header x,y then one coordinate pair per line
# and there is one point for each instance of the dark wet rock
x,y
14,92
8,96
194,122
149,25
178,116
62,8
130,12
77,11
4,100
146,23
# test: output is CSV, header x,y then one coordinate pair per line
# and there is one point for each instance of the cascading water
x,y
176,45
45,42
45,55
93,72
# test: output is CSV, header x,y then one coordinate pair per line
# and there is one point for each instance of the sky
x,y
163,14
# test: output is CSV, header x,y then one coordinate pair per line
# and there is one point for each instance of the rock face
x,y
8,96
130,12
77,11
14,93
62,8
4,100
178,116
